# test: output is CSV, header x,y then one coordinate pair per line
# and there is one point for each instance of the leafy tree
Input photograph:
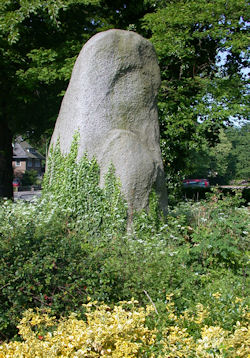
x,y
201,46
39,44
213,162
228,160
239,165
37,52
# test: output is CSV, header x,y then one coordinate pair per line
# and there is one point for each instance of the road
x,y
234,186
26,195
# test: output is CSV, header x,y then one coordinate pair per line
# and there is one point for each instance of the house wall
x,y
19,170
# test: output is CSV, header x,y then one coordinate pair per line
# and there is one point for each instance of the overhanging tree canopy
x,y
39,44
202,49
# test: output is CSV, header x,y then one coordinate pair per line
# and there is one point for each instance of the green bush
x,y
126,330
29,177
49,248
73,243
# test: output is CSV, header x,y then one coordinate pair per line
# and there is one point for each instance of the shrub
x,y
124,331
107,332
47,247
29,177
73,242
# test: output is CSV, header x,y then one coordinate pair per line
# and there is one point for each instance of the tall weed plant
x,y
74,185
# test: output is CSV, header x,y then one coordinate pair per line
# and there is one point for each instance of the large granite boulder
x,y
111,101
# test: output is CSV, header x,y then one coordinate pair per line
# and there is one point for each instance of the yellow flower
x,y
217,295
237,300
169,297
201,314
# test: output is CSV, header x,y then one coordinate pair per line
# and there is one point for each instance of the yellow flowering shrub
x,y
214,341
107,332
122,331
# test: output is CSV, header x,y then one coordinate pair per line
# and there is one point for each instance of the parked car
x,y
16,182
193,183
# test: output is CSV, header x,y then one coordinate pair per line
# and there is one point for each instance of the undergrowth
x,y
73,243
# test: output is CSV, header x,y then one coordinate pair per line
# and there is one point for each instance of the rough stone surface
x,y
111,101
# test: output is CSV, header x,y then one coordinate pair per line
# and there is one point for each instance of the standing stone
x,y
111,101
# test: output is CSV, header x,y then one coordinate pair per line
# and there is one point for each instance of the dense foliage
x,y
227,161
201,46
73,243
127,330
239,166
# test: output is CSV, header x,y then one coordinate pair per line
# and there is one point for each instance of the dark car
x,y
193,183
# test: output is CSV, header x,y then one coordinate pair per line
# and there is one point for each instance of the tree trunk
x,y
6,153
